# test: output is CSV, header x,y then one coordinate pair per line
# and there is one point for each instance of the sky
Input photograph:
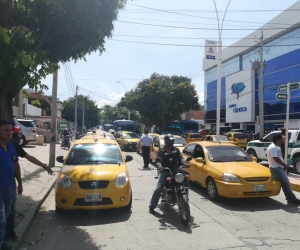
x,y
128,58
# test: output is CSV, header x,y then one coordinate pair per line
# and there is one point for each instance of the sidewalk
x,y
37,185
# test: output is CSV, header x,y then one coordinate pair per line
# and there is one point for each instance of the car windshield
x,y
130,136
226,154
179,142
97,153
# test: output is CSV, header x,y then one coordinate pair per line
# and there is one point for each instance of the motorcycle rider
x,y
171,158
64,134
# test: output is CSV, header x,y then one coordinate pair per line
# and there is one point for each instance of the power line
x,y
99,95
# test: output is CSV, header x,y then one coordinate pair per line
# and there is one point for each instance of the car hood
x,y
242,169
107,172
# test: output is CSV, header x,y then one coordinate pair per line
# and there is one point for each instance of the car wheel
x,y
252,153
127,207
296,165
58,210
212,189
24,141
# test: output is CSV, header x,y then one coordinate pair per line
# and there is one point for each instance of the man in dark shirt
x,y
8,160
10,234
170,158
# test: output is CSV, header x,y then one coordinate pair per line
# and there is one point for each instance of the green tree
x,y
92,112
36,35
162,99
112,113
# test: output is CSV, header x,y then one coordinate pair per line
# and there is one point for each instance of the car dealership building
x,y
240,83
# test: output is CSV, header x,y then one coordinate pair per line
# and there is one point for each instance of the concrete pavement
x,y
36,186
265,223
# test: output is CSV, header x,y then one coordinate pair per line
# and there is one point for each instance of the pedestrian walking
x,y
278,167
10,233
147,145
8,160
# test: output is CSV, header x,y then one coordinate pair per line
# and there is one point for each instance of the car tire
x,y
252,153
296,165
212,189
58,210
128,207
24,143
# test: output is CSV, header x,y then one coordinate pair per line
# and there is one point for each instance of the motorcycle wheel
x,y
184,209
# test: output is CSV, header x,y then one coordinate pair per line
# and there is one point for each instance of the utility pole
x,y
53,124
76,104
83,115
261,89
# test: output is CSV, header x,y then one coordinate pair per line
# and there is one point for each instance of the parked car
x,y
190,137
226,170
238,137
258,148
94,175
28,130
17,131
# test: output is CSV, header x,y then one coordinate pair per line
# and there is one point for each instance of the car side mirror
x,y
199,160
60,159
254,158
128,158
189,158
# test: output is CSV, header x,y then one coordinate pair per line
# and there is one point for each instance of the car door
x,y
188,151
200,168
153,154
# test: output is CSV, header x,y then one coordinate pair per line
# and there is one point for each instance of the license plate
x,y
259,188
92,197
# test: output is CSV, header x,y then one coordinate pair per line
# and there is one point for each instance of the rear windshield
x,y
29,124
94,154
130,136
240,136
195,136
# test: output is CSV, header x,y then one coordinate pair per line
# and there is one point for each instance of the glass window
x,y
190,126
28,124
226,154
130,136
117,135
240,136
195,136
269,138
198,152
298,138
179,142
94,154
184,135
188,150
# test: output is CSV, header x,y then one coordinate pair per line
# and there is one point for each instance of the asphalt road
x,y
262,223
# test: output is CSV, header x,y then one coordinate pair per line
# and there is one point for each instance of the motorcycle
x,y
66,142
175,193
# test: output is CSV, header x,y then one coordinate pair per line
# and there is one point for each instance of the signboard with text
x,y
210,49
240,97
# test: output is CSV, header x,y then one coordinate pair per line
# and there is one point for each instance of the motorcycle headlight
x,y
228,177
122,179
179,178
65,181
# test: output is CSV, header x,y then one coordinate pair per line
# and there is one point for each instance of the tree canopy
x,y
36,35
112,113
92,112
162,99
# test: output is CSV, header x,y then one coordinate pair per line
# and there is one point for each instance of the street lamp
x,y
219,75
125,93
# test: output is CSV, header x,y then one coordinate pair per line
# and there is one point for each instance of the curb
x,y
24,226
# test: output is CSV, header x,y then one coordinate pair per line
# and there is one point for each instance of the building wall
x,y
196,115
32,110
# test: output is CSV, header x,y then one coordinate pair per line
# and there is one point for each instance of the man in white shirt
x,y
278,167
147,144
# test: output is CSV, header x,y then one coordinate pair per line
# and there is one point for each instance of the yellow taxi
x,y
190,137
238,137
226,170
158,143
222,138
139,146
127,140
93,176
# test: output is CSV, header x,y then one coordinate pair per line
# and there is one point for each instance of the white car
x,y
29,132
258,148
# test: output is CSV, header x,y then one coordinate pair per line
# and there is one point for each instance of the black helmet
x,y
169,137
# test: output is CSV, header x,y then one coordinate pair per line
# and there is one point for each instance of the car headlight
x,y
65,181
179,178
122,179
228,177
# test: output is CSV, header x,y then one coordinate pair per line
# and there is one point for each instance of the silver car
x,y
28,131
